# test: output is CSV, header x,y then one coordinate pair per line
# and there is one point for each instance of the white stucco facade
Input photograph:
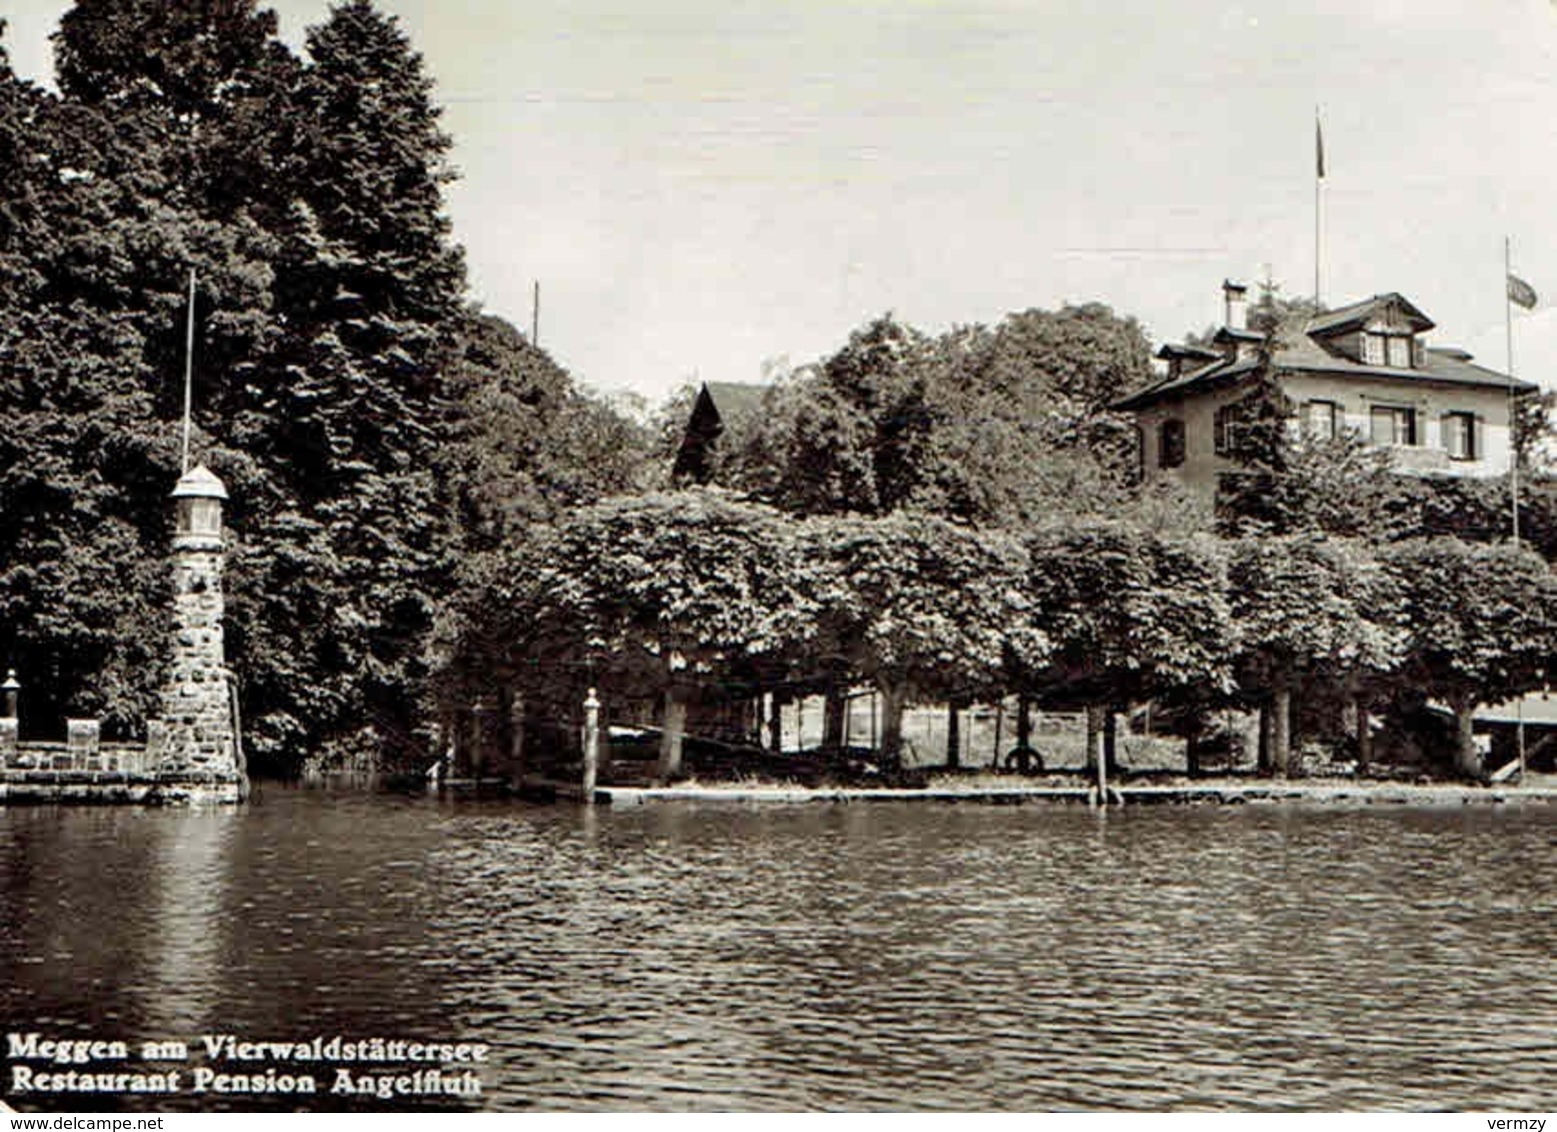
x,y
1355,401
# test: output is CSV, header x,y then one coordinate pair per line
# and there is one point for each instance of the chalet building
x,y
1365,369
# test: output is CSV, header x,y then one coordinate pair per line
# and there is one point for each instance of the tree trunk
x,y
1262,755
1192,748
1000,716
1111,739
513,714
775,723
673,732
1364,737
1281,731
835,705
953,736
893,700
1024,723
1467,760
475,741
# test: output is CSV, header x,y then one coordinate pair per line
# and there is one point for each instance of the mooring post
x,y
591,745
1095,752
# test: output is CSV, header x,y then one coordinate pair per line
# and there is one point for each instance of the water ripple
x,y
880,957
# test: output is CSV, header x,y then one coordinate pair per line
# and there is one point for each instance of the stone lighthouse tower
x,y
196,740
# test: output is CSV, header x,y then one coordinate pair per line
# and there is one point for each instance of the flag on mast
x,y
1520,293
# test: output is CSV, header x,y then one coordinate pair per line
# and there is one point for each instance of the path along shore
x,y
1205,791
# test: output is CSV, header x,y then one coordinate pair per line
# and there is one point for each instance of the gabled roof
x,y
1439,367
1170,350
1357,314
1308,353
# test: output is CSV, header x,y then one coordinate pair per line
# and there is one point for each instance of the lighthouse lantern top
x,y
199,495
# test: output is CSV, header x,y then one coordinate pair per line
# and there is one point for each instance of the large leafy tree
x,y
349,410
653,595
1482,623
1311,611
1132,614
923,608
982,425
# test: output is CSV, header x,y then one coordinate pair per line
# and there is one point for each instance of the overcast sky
x,y
701,185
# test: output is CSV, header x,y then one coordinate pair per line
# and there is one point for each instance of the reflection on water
x,y
818,956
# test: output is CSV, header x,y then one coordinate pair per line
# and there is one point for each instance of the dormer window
x,y
1397,351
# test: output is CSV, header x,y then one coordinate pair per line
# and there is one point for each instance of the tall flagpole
x,y
1513,460
189,367
1513,420
1319,177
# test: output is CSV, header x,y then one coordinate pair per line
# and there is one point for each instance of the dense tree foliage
x,y
356,409
1482,621
1311,610
981,425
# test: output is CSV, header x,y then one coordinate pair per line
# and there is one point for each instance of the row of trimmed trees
x,y
667,592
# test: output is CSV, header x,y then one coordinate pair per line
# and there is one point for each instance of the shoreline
x,y
1205,792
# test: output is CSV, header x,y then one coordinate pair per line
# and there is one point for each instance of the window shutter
x,y
1478,431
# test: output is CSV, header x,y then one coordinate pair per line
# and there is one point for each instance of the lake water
x,y
819,956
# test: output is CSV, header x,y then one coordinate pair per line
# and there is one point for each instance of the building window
x,y
1399,351
1373,349
1170,444
1390,425
1459,436
1224,435
1321,420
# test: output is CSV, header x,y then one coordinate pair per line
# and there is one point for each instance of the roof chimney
x,y
1235,298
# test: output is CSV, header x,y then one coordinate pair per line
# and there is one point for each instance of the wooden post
x,y
1095,753
591,745
953,736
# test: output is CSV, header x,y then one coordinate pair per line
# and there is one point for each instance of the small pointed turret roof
x,y
199,483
